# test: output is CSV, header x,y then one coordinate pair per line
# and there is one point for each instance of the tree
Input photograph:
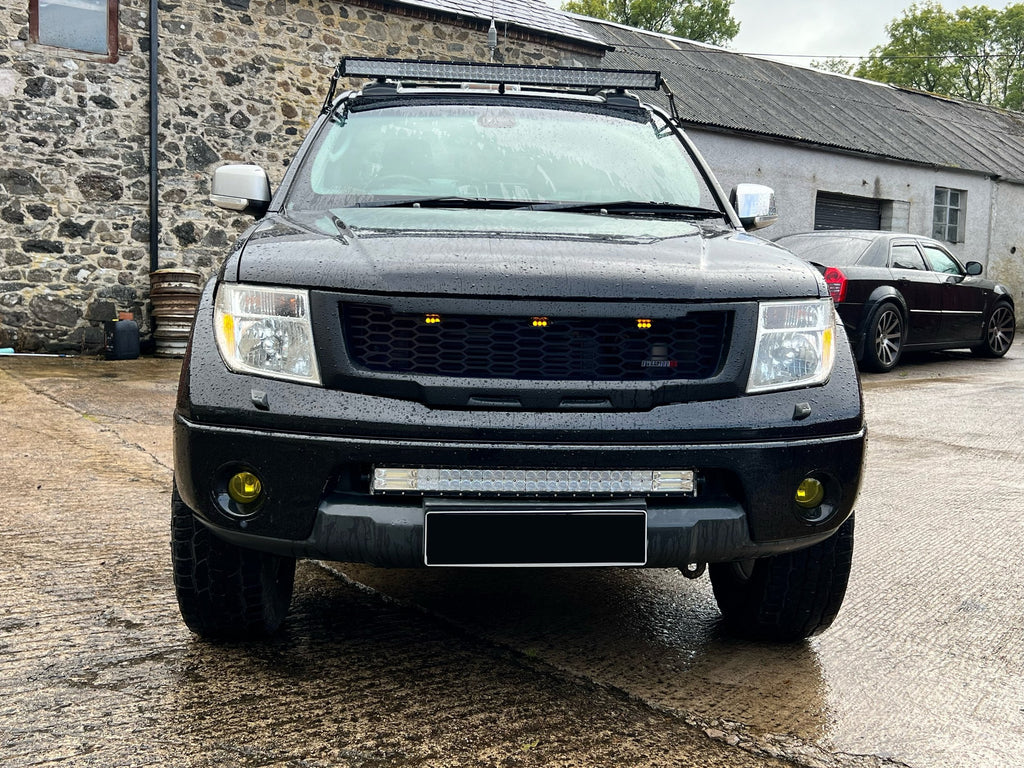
x,y
973,53
708,21
1009,69
917,51
834,64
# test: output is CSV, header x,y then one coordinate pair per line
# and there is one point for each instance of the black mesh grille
x,y
566,349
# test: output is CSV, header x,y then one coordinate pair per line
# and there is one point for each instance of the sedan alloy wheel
x,y
886,339
999,332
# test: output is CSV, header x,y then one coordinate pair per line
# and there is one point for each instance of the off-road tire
x,y
884,337
786,597
999,332
226,592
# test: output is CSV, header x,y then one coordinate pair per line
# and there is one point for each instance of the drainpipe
x,y
154,117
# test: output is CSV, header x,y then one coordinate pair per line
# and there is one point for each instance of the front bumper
x,y
317,505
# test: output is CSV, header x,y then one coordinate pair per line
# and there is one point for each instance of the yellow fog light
x,y
245,488
810,493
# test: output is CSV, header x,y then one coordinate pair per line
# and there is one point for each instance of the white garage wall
x,y
1006,253
797,174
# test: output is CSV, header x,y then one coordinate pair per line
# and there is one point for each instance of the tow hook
x,y
694,570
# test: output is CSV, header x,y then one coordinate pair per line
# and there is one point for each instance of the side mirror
x,y
242,188
755,205
974,268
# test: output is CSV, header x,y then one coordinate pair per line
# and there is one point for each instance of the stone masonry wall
x,y
239,81
73,166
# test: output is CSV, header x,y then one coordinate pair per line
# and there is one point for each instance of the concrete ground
x,y
924,667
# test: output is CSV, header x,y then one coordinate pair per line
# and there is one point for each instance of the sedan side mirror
x,y
974,268
755,205
242,188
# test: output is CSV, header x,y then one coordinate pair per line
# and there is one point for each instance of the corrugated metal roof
x,y
534,15
722,89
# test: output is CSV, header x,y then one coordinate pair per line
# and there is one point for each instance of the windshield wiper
x,y
483,203
447,201
633,207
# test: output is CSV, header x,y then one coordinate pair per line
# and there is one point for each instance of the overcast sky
x,y
821,28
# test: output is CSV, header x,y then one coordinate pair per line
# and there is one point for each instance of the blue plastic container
x,y
122,339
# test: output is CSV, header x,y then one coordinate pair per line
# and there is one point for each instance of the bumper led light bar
x,y
531,481
566,77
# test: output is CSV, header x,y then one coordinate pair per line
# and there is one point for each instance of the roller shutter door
x,y
847,212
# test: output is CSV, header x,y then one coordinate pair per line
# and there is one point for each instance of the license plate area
x,y
518,534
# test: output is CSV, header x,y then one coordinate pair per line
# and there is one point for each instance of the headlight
x,y
795,345
266,331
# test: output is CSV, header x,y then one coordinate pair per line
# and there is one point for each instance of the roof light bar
x,y
567,77
531,481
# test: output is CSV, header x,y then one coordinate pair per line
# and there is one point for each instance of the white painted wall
x,y
1006,252
797,174
995,210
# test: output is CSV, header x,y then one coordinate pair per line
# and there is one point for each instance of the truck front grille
x,y
692,346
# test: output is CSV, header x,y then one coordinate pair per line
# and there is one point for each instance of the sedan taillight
x,y
836,282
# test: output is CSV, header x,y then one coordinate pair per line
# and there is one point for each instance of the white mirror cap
x,y
240,187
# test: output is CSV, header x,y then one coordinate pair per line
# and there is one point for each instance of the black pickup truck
x,y
504,316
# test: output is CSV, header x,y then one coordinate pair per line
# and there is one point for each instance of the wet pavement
x,y
924,666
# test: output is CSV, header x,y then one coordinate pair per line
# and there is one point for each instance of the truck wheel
x,y
226,592
884,338
786,597
999,332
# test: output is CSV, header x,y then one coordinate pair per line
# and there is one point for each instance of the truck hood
x,y
539,254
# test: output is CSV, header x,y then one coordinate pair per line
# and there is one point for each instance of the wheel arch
x,y
1002,293
881,294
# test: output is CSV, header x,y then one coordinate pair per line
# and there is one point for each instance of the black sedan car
x,y
897,292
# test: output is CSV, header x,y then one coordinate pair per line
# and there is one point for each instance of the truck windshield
x,y
497,153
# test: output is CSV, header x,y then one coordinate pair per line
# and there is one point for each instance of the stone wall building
x,y
236,81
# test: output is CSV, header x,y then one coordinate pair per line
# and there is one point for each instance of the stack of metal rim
x,y
175,297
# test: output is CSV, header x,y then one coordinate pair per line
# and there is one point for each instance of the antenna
x,y
492,38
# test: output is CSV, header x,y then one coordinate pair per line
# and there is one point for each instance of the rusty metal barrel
x,y
174,294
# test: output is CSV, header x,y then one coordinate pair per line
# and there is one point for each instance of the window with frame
x,y
906,256
89,26
940,261
948,216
